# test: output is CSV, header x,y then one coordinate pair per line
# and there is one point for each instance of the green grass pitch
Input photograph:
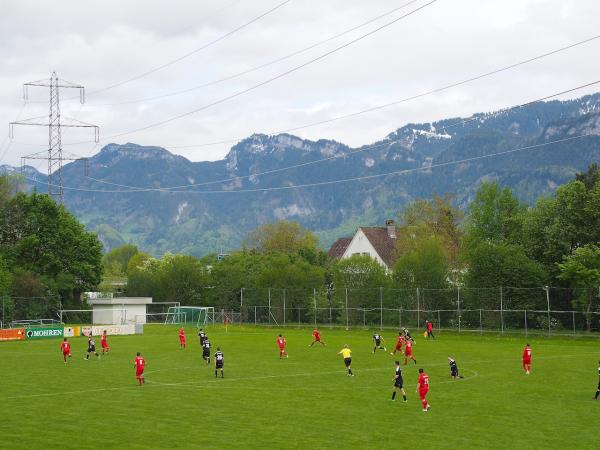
x,y
305,401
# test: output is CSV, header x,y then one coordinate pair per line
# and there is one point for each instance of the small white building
x,y
377,242
119,311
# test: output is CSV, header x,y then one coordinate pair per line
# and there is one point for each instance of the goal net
x,y
197,315
162,318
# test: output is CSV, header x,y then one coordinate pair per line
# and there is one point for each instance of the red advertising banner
x,y
12,334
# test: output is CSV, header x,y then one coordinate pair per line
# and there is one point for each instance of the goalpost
x,y
199,315
163,318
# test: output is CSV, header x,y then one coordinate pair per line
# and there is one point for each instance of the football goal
x,y
162,318
197,315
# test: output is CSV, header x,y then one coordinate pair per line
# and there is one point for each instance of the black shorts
x,y
398,383
206,354
454,373
347,361
219,364
92,349
377,343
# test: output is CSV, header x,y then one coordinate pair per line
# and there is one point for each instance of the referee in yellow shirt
x,y
347,355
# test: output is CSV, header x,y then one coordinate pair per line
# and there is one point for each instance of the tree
x,y
41,237
282,237
495,215
590,177
425,267
492,265
115,262
136,261
557,226
424,219
581,270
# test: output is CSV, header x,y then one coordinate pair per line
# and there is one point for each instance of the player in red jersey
x,y
139,364
527,359
181,339
423,389
281,344
429,329
104,342
65,348
408,351
316,338
399,343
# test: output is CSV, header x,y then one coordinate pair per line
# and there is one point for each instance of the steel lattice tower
x,y
54,154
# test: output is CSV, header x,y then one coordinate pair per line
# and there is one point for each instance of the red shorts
x,y
526,361
104,344
282,349
423,393
398,347
139,372
408,352
317,338
66,353
182,340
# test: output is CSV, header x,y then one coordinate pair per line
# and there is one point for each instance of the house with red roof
x,y
377,242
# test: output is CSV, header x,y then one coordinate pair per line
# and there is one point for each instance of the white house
x,y
377,242
119,310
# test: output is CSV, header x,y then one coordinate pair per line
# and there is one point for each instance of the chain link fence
x,y
532,310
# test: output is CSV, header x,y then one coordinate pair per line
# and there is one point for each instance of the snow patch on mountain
x,y
180,209
291,211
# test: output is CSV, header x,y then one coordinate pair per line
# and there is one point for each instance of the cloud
x,y
98,44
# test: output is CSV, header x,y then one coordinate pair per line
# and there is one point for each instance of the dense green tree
x,y
179,278
137,261
41,237
282,237
557,226
492,265
590,177
115,262
581,270
427,218
494,215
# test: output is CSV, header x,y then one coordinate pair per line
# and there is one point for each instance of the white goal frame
x,y
166,315
209,314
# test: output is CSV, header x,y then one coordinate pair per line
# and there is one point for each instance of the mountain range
x,y
142,194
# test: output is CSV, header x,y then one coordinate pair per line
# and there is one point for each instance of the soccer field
x,y
305,401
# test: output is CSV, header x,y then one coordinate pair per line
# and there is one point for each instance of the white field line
x,y
227,380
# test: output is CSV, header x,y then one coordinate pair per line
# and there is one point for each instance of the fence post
x,y
573,322
269,306
241,306
284,307
501,312
380,308
255,315
399,317
315,303
458,302
439,323
525,323
346,308
364,318
480,323
548,302
418,311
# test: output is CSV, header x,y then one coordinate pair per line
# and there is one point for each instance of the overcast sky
x,y
99,44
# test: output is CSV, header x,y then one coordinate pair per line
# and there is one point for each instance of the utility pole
x,y
55,123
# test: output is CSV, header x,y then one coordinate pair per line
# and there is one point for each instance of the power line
x,y
344,155
265,82
261,66
193,52
405,99
346,180
377,107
